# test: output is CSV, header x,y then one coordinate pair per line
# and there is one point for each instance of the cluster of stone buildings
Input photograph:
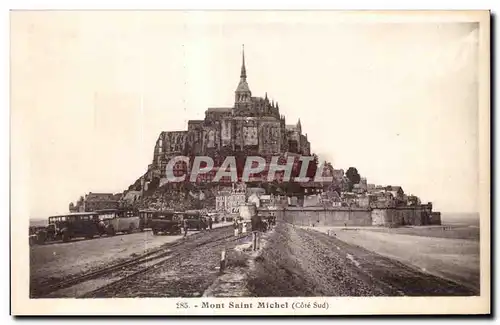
x,y
388,206
96,201
228,200
361,195
366,204
368,195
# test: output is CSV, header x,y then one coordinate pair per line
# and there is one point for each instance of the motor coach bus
x,y
68,226
119,220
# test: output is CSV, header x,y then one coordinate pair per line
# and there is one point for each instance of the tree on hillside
x,y
353,177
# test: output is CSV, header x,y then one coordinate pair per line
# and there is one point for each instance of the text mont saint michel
x,y
233,304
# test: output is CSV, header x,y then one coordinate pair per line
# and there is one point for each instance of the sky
x,y
91,92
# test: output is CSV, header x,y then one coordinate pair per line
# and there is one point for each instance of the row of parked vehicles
x,y
88,225
112,221
171,222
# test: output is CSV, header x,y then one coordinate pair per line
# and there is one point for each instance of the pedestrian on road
x,y
236,226
210,221
185,226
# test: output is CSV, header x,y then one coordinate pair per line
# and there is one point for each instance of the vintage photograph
x,y
272,154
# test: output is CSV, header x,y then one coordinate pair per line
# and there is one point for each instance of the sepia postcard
x,y
250,162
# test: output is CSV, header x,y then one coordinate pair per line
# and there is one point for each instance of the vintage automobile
x,y
145,218
119,220
34,234
33,240
195,220
68,226
166,222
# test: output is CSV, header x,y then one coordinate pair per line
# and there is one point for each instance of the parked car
x,y
166,222
195,220
36,233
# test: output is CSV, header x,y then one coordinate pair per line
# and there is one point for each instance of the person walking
x,y
203,224
236,226
240,225
185,226
210,221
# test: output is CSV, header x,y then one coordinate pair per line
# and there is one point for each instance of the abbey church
x,y
253,126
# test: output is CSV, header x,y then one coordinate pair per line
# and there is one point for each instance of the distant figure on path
x,y
240,226
185,226
210,222
236,227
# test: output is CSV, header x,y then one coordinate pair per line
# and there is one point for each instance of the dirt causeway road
x,y
293,262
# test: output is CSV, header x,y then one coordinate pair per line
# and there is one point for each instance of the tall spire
x,y
243,93
243,74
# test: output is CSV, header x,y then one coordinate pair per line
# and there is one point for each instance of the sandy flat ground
x,y
60,260
453,259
